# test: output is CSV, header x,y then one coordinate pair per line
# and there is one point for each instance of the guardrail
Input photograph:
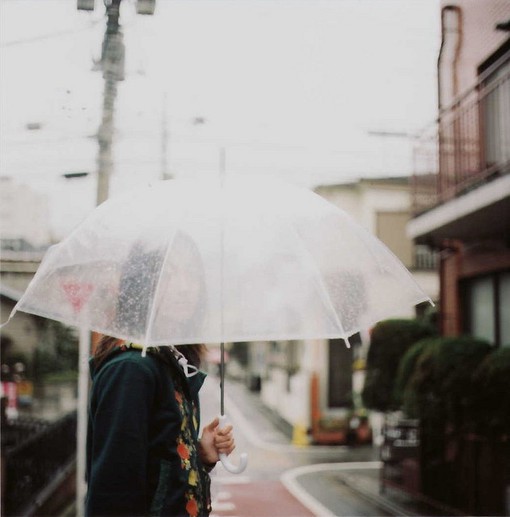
x,y
34,454
467,146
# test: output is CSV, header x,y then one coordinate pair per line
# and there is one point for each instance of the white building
x,y
24,214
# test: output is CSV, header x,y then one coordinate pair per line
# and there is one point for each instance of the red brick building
x,y
462,171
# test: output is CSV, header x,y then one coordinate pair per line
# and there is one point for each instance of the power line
x,y
51,35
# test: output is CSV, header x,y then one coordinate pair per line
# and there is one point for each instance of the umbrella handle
x,y
243,458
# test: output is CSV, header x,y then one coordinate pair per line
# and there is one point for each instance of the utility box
x,y
85,5
145,6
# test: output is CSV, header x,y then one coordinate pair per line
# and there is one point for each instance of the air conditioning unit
x,y
85,5
145,6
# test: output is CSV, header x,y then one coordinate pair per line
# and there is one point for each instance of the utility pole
x,y
112,65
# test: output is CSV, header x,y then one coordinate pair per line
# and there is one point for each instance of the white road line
x,y
223,495
223,507
231,480
289,480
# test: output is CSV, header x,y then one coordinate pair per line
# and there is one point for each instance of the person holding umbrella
x,y
144,455
181,262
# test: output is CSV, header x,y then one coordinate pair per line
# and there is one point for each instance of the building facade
x,y
462,181
24,237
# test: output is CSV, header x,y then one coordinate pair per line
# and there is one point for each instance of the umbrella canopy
x,y
246,259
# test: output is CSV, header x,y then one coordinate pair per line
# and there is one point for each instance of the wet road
x,y
282,479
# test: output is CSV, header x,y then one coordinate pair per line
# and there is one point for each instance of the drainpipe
x,y
449,53
112,65
448,91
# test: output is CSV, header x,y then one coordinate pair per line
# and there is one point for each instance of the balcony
x,y
468,146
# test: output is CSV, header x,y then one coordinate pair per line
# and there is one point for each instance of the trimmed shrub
x,y
490,409
441,385
402,397
390,339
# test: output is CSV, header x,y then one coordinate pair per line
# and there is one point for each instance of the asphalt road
x,y
282,479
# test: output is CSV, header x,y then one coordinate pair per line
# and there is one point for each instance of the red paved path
x,y
258,499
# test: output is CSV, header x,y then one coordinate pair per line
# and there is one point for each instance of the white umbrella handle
x,y
243,459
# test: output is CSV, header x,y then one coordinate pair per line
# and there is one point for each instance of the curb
x,y
377,500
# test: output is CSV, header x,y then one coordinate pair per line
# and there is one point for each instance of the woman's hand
x,y
215,441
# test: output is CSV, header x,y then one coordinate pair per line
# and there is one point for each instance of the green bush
x,y
441,385
490,409
405,371
390,339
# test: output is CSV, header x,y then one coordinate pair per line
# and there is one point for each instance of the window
x,y
487,308
481,309
340,372
504,304
391,229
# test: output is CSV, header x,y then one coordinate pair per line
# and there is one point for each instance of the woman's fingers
x,y
224,440
225,430
226,448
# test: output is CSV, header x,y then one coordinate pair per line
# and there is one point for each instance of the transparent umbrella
x,y
244,259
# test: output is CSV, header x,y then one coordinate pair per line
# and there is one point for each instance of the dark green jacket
x,y
142,456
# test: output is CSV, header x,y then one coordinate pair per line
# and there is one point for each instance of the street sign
x,y
77,293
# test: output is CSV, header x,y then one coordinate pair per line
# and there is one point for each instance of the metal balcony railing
x,y
425,258
468,145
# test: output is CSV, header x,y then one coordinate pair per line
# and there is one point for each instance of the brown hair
x,y
193,353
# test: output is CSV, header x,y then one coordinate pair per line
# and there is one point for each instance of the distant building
x,y
384,207
462,177
24,237
24,216
316,384
22,334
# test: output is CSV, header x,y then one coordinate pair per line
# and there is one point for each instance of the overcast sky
x,y
287,87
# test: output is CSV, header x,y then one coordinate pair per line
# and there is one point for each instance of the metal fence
x,y
456,473
469,143
33,453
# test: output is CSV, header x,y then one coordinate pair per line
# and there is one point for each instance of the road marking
x,y
222,504
223,507
289,480
231,480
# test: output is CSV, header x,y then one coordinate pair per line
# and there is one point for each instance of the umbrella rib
x,y
324,291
